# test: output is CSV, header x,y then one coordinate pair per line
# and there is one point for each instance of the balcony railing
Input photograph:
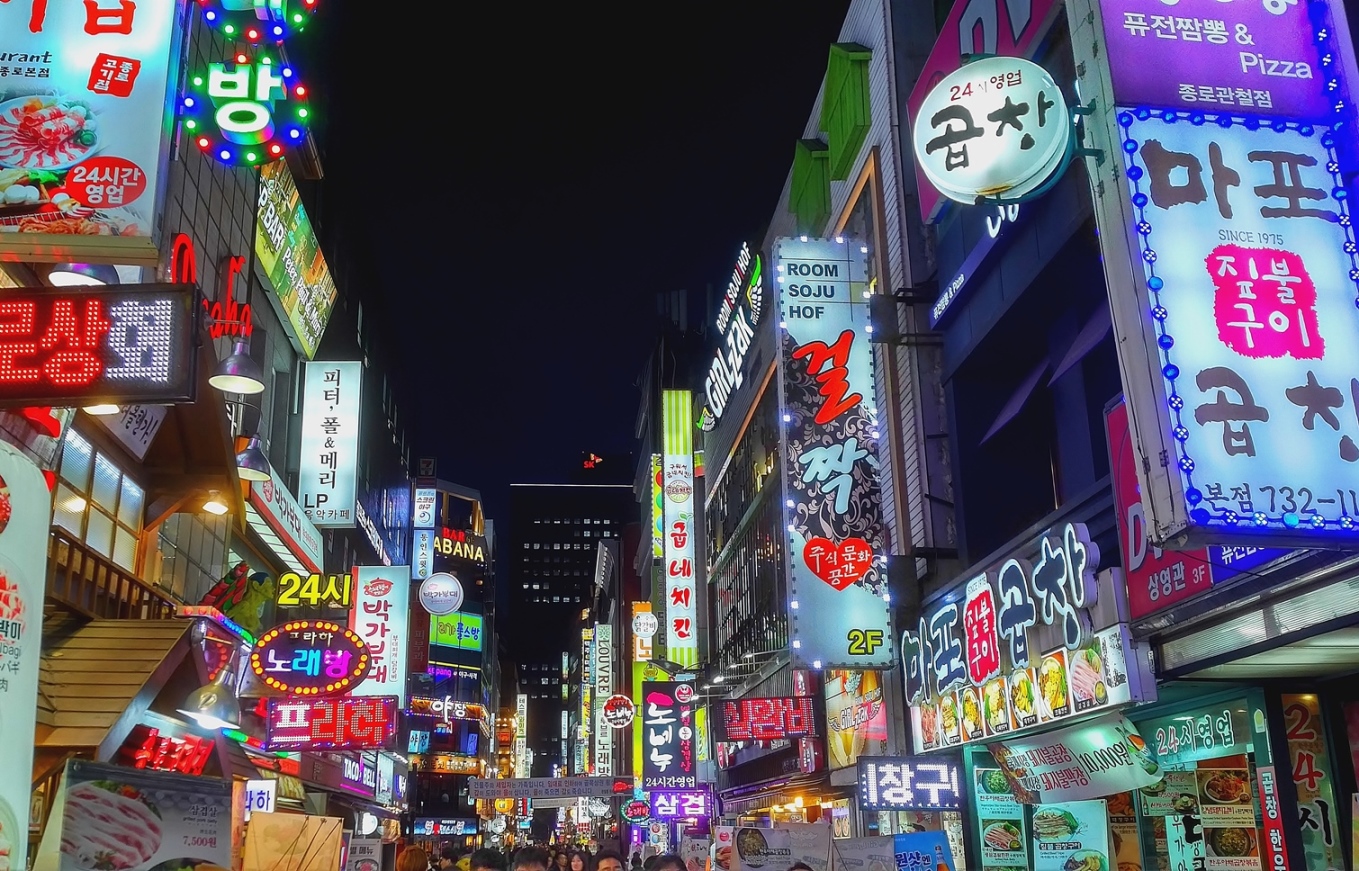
x,y
93,585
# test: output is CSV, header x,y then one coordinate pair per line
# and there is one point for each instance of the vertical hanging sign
x,y
837,583
603,690
328,479
381,617
681,585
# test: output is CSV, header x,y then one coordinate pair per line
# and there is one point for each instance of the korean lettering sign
x,y
972,670
910,783
737,318
997,126
84,89
328,477
603,653
282,514
295,591
773,719
290,254
1250,284
837,582
309,658
246,110
680,804
680,562
332,723
1251,57
1313,780
667,715
72,346
380,616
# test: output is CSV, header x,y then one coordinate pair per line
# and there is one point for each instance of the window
x,y
98,504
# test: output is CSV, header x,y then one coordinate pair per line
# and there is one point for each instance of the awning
x,y
95,685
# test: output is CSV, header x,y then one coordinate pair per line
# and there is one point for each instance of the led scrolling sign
x,y
126,345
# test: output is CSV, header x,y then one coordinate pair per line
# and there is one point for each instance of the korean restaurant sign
x,y
1249,57
997,127
76,345
331,723
380,616
837,583
288,251
737,317
84,96
328,477
23,572
1250,289
772,719
680,804
680,561
280,511
1157,578
310,658
603,674
910,783
1091,760
1014,649
977,27
669,758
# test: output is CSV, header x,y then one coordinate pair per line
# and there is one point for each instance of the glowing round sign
x,y
263,21
996,127
636,811
441,594
618,711
246,111
645,624
310,658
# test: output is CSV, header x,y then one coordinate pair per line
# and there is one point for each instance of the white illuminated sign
x,y
603,690
328,477
998,126
425,507
422,558
260,796
737,318
909,783
680,562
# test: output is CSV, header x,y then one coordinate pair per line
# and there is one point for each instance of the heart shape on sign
x,y
839,565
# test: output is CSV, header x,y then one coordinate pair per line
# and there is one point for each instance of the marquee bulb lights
x,y
257,21
246,111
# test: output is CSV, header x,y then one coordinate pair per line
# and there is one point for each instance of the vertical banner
x,y
930,851
25,514
603,689
380,616
837,579
328,476
666,713
422,554
681,584
657,508
1313,779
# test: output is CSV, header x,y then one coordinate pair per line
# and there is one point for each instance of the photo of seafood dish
x,y
994,710
1232,842
1054,824
929,726
1023,699
948,717
1086,860
46,132
972,713
1087,679
1003,836
1052,687
1225,787
109,826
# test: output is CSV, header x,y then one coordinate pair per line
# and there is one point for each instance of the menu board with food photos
x,y
1123,840
1210,806
1000,819
1071,836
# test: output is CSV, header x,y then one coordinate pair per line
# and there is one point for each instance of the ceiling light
x,y
215,505
81,274
238,373
101,409
251,464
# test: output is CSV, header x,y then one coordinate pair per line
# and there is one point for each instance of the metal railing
x,y
94,586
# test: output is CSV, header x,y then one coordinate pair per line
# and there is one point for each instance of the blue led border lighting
x,y
1155,285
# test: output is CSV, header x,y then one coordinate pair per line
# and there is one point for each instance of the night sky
x,y
522,183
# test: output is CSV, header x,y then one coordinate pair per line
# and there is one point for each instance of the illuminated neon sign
x,y
125,345
246,111
332,723
257,20
310,658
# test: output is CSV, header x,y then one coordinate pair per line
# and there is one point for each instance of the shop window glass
x,y
191,555
97,503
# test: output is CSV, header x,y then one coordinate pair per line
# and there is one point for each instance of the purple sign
x,y
674,804
1253,57
1232,562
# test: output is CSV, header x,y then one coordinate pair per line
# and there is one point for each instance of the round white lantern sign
x,y
997,127
441,594
645,624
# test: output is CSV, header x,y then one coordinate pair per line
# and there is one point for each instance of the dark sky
x,y
522,180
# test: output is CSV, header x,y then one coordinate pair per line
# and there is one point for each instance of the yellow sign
x,y
295,591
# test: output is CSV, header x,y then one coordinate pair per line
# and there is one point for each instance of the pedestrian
x,y
800,866
636,861
531,859
562,862
413,859
487,859
580,861
669,862
608,860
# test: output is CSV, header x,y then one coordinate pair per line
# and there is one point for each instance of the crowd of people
x,y
534,858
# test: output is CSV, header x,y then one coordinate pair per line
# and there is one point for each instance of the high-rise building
x,y
554,533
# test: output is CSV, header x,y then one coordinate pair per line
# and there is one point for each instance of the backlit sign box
x,y
910,783
773,719
678,804
328,477
76,346
332,723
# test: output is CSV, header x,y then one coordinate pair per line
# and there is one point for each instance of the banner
x,y
381,617
856,716
924,851
328,480
115,817
666,713
1097,758
27,513
778,848
694,852
680,561
864,854
1073,834
288,251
